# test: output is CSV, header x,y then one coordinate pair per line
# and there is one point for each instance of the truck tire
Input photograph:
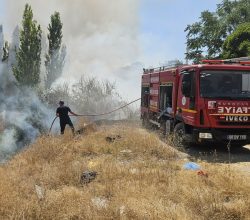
x,y
179,135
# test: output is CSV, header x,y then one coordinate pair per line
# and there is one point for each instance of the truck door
x,y
186,95
166,92
145,96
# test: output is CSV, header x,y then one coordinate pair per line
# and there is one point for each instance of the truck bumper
x,y
234,136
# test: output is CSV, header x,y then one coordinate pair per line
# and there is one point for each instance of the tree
x,y
27,69
54,61
1,41
90,93
6,48
205,37
172,63
14,45
238,43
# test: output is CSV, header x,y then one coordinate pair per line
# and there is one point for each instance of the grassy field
x,y
139,177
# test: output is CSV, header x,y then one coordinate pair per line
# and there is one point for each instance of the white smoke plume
x,y
22,116
102,41
101,37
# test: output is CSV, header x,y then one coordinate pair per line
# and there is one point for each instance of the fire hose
x,y
93,115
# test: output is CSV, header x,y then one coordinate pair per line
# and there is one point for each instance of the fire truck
x,y
199,103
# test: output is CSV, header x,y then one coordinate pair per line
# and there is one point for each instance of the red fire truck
x,y
200,103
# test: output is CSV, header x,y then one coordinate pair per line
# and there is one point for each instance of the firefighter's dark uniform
x,y
64,118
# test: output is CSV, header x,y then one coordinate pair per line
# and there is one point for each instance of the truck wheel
x,y
179,135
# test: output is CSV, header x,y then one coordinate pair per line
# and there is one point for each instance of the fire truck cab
x,y
207,102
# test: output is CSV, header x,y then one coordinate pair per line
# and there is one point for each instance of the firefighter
x,y
62,112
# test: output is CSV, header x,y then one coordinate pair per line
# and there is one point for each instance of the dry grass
x,y
138,178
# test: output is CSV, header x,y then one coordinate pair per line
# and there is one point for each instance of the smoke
x,y
102,41
101,37
22,116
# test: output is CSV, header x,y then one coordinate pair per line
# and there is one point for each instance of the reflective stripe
x,y
188,110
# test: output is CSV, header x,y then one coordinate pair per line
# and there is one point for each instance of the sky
x,y
162,23
132,34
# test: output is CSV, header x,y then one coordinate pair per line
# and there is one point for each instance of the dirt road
x,y
238,158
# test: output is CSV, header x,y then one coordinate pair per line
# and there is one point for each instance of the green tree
x,y
175,63
6,48
56,55
27,70
238,43
205,37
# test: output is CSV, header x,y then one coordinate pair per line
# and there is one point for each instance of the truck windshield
x,y
229,84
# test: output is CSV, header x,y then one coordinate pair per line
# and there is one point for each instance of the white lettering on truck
x,y
220,110
233,110
237,118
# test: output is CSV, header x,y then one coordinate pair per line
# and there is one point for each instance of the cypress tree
x,y
55,57
27,69
6,48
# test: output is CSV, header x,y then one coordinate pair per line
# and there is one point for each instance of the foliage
x,y
174,63
80,94
238,43
205,37
27,70
91,95
6,48
52,96
1,41
55,58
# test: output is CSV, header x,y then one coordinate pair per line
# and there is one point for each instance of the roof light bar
x,y
245,62
229,61
213,61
